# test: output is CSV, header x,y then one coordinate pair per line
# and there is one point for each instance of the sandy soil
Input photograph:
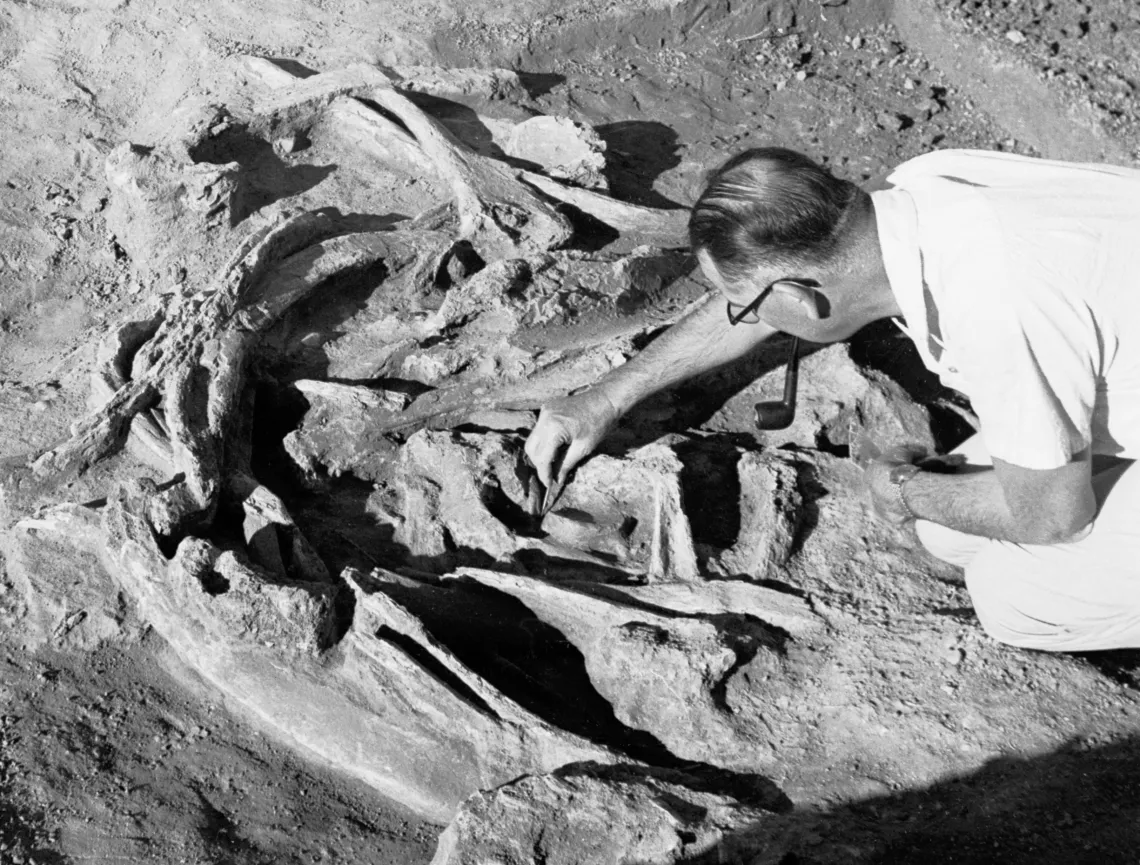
x,y
932,743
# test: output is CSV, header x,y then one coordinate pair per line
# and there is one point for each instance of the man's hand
x,y
567,431
1003,501
884,496
877,467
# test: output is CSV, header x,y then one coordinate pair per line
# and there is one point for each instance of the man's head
x,y
771,224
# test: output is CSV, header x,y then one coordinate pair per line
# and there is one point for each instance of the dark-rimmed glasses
x,y
750,314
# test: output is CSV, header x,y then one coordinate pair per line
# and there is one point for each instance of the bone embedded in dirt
x,y
454,492
452,497
486,84
631,510
770,512
565,149
673,676
781,609
395,709
585,814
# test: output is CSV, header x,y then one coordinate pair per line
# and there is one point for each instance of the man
x,y
1019,283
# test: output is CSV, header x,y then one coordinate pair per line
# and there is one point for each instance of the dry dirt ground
x,y
931,743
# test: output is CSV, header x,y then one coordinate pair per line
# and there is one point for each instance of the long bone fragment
x,y
182,334
653,226
370,129
195,361
675,676
497,213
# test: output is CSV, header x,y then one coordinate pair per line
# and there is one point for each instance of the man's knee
x,y
999,602
947,544
1019,610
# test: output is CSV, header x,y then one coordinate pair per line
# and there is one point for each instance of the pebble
x,y
287,145
890,120
1015,36
856,42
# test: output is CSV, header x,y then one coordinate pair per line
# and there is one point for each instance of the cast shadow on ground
x,y
1079,804
883,347
637,153
22,829
538,84
264,177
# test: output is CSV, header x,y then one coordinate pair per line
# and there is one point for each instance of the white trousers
x,y
1058,597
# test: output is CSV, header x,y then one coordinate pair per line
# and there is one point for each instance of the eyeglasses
x,y
750,314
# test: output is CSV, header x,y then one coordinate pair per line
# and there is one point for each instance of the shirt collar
x,y
897,221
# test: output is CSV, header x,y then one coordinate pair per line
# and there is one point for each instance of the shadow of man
x,y
637,153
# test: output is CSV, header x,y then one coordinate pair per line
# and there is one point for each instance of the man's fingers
x,y
575,453
542,449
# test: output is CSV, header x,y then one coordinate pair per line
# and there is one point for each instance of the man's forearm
x,y
976,503
972,503
701,341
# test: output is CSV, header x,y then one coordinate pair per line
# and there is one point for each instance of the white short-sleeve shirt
x,y
1019,280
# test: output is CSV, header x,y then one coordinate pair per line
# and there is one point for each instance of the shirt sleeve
x,y
1027,353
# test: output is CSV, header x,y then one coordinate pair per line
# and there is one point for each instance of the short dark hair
x,y
771,206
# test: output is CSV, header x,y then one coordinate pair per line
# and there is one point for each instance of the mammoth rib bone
x,y
195,361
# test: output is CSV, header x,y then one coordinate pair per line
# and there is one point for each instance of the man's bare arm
x,y
1008,502
570,428
701,341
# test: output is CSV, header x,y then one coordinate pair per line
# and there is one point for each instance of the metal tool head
x,y
541,498
779,414
552,493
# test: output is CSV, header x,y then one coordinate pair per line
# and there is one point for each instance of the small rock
x,y
566,149
856,42
909,84
801,75
288,144
890,121
1015,36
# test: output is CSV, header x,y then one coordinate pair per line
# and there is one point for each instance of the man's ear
x,y
812,301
